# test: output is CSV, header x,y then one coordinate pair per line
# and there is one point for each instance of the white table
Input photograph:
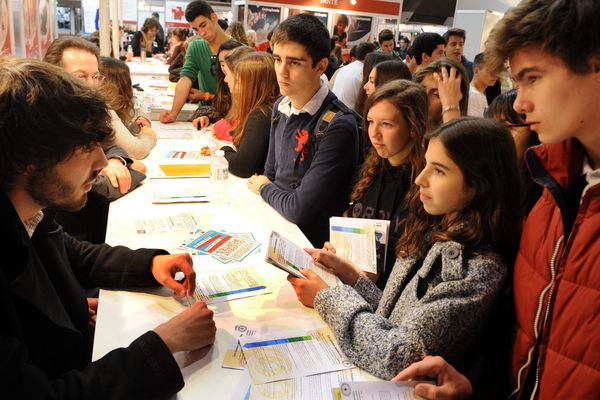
x,y
162,93
123,316
152,67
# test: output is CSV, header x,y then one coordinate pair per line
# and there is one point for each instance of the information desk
x,y
123,316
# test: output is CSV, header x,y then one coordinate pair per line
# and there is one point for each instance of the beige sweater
x,y
137,146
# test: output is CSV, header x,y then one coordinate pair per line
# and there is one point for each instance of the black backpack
x,y
335,108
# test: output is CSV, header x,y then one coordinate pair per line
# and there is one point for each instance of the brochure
x,y
292,354
230,284
362,241
381,390
291,258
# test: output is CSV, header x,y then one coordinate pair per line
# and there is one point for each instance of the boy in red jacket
x,y
553,48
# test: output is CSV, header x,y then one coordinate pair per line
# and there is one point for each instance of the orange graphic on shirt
x,y
302,138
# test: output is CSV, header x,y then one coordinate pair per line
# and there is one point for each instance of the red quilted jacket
x,y
556,353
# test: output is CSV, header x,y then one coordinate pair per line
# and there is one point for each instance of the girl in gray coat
x,y
451,270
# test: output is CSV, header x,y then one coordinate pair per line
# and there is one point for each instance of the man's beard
x,y
48,189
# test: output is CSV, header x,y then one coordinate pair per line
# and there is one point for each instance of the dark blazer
x,y
45,337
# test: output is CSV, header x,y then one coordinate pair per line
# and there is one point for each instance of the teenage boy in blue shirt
x,y
307,183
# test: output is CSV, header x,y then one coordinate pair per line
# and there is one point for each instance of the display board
x,y
175,14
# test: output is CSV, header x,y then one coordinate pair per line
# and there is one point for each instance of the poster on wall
x,y
6,29
29,22
46,12
262,19
322,16
352,29
175,14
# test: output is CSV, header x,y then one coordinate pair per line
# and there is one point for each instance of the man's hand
x,y
307,289
189,330
255,182
118,175
167,117
451,384
164,268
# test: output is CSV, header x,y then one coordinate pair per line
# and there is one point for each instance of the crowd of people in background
x,y
490,286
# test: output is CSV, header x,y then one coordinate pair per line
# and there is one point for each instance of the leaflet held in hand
x,y
362,241
291,258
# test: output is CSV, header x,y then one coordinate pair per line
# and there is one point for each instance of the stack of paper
x,y
292,354
184,163
299,365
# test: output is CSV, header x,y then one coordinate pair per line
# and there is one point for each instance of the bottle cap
x,y
219,153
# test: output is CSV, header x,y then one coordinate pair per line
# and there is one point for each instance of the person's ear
x,y
322,65
214,17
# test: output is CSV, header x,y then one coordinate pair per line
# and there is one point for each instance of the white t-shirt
x,y
348,83
477,102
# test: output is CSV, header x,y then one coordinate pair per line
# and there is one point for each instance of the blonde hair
x,y
256,89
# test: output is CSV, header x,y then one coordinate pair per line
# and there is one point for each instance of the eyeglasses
x,y
96,78
214,65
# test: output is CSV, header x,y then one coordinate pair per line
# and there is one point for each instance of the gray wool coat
x,y
440,311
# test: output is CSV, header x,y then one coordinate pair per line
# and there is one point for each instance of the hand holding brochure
x,y
362,241
291,258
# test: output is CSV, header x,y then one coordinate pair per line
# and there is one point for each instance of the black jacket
x,y
251,155
385,199
45,337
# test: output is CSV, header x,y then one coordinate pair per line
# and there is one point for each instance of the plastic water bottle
x,y
219,172
129,54
145,105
